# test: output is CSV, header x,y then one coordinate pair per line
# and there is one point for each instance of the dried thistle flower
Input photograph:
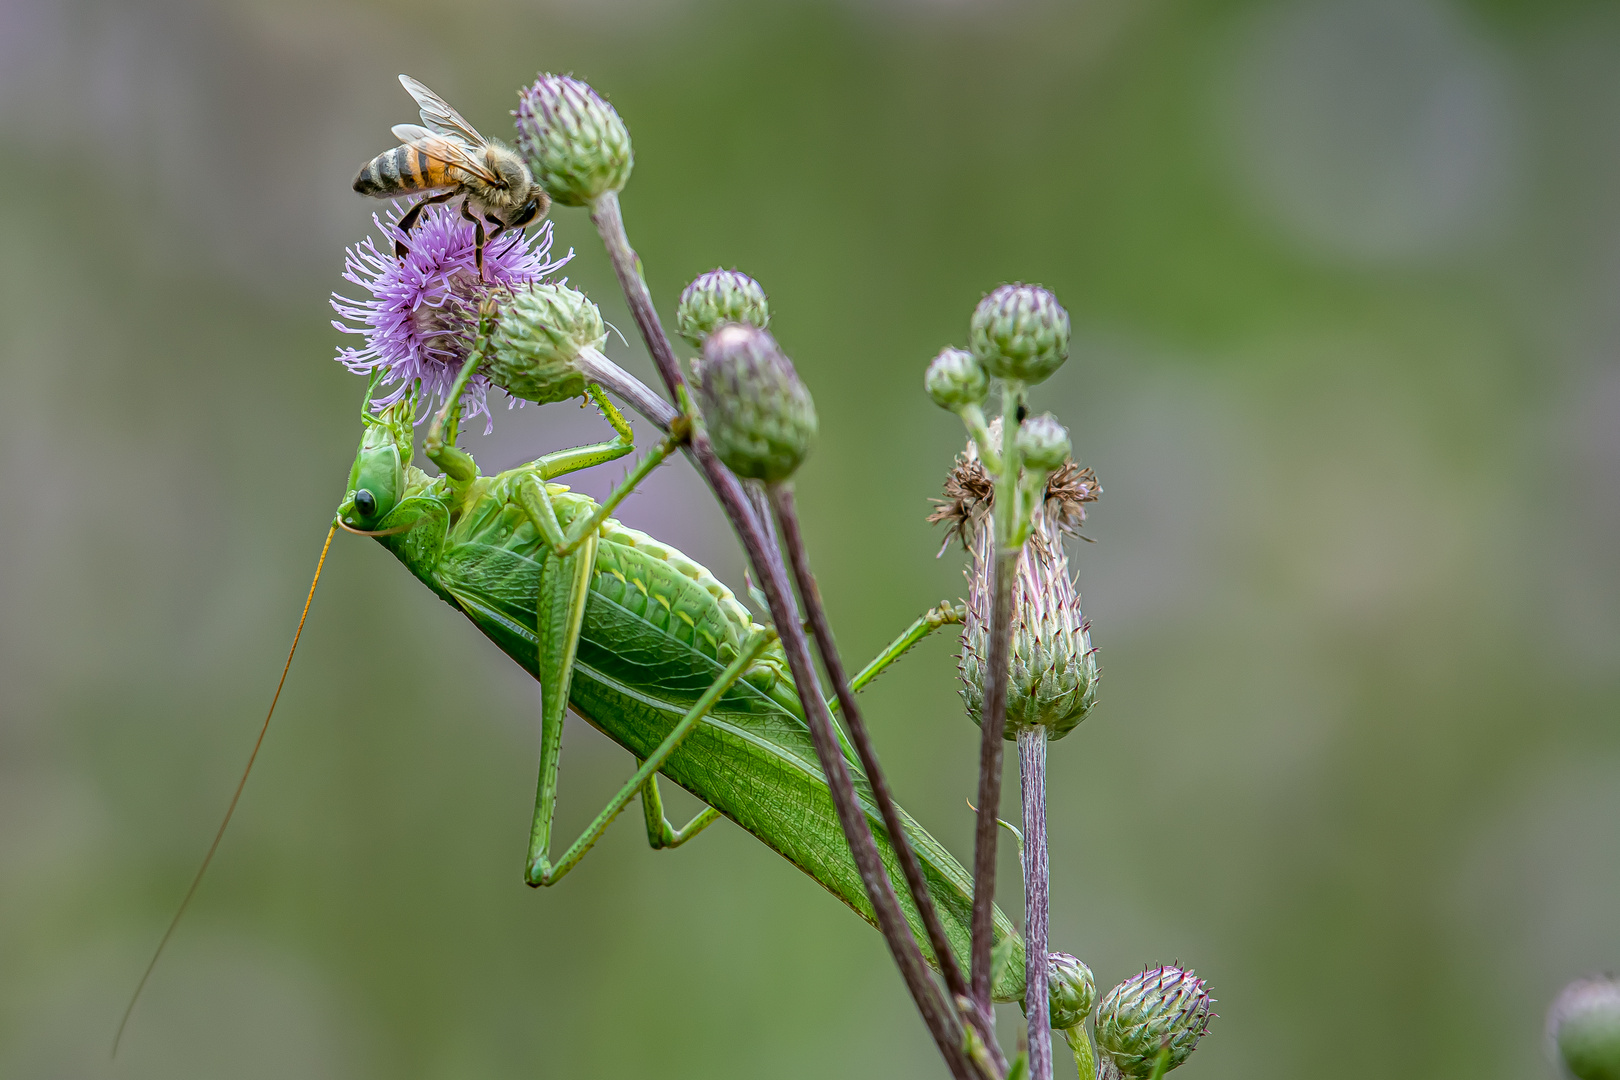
x,y
1052,682
419,320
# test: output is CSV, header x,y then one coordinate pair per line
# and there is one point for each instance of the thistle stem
x,y
993,721
787,517
1032,774
767,563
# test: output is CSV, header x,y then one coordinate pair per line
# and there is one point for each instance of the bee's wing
x,y
448,149
438,115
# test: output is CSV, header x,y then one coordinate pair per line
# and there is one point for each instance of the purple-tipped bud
x,y
1164,1009
1020,332
1583,1028
717,298
955,380
1044,443
758,413
1073,990
574,142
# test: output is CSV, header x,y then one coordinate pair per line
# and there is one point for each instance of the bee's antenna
x,y
237,795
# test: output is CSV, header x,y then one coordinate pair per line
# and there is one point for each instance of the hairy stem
x,y
787,517
1032,776
767,563
993,721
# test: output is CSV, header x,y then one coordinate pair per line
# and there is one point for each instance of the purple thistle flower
x,y
423,309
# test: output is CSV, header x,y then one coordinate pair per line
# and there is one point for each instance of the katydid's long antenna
x,y
235,797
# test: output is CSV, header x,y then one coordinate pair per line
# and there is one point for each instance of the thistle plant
x,y
439,334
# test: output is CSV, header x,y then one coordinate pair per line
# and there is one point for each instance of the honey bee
x,y
447,159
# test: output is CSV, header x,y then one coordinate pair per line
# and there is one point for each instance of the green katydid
x,y
644,644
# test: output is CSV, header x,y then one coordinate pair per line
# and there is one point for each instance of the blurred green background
x,y
1343,276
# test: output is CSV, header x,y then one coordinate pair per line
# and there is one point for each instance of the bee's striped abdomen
x,y
405,168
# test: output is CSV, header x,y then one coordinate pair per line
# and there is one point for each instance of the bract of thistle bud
x,y
719,297
1043,443
1583,1029
1020,332
574,142
955,380
539,333
1052,677
1163,1008
1073,990
759,416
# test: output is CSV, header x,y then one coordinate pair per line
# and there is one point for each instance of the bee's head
x,y
377,480
530,209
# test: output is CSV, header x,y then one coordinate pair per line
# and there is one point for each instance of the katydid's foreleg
x,y
440,441
543,872
537,501
660,833
945,614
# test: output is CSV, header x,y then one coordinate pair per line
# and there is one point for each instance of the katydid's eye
x,y
364,502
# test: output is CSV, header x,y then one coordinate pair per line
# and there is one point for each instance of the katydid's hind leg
x,y
543,872
660,834
560,612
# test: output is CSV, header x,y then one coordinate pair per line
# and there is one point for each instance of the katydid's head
x,y
377,480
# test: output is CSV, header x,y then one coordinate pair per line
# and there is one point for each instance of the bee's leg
x,y
478,237
408,222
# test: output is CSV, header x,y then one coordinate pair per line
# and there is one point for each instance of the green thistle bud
x,y
955,380
1164,1008
758,413
1020,332
540,332
1044,443
574,142
1073,990
1583,1029
717,298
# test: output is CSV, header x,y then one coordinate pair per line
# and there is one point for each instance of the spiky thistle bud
x,y
574,142
1043,443
539,334
1052,680
1583,1029
956,381
719,297
1073,990
1020,332
758,413
1162,1009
